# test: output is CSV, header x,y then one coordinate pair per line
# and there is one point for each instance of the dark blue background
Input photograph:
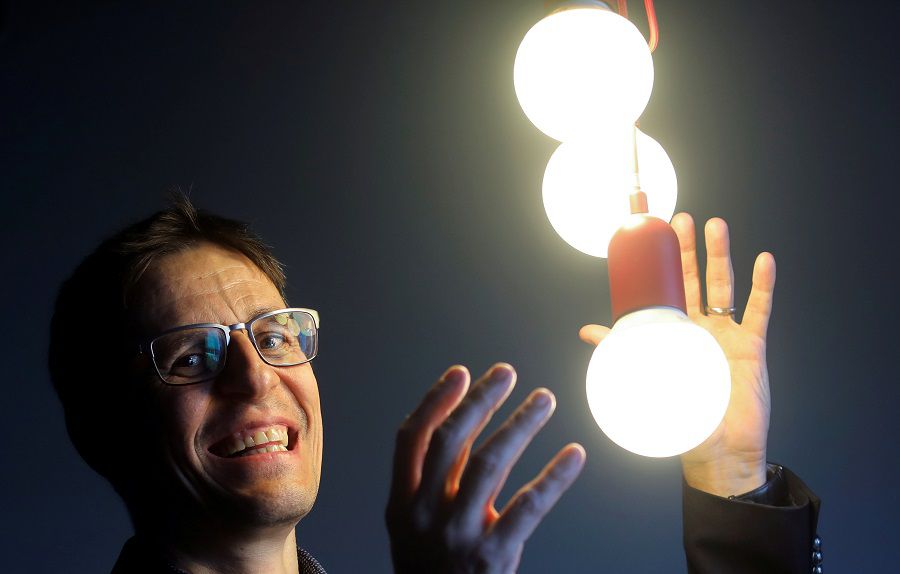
x,y
380,148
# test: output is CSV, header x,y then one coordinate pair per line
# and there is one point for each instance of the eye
x,y
187,363
270,341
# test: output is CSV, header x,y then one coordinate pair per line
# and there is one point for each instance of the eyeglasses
x,y
196,353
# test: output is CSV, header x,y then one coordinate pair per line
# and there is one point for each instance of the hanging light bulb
x,y
586,186
581,69
658,384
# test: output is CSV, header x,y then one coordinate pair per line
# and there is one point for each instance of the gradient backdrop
x,y
380,148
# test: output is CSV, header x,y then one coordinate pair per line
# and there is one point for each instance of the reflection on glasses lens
x,y
189,355
285,338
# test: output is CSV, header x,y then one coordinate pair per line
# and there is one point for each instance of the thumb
x,y
593,334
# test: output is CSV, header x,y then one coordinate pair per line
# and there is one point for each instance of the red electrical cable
x,y
622,8
653,24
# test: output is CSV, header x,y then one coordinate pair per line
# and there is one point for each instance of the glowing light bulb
x,y
582,69
586,186
658,385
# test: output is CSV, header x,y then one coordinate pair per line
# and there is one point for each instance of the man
x,y
203,413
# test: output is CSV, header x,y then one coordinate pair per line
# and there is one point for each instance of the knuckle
x,y
519,416
444,435
485,464
408,431
419,519
481,397
530,501
452,536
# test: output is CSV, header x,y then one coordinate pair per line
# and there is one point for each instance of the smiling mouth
x,y
273,439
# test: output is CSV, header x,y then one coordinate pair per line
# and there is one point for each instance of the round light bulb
x,y
587,183
582,69
658,385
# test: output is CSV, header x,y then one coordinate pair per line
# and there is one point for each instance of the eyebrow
x,y
253,314
257,311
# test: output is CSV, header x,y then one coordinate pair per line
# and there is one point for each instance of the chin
x,y
286,509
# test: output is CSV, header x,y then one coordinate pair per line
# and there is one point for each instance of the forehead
x,y
205,283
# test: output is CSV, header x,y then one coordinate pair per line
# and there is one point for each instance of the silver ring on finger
x,y
720,311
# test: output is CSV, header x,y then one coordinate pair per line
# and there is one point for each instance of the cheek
x,y
182,416
306,390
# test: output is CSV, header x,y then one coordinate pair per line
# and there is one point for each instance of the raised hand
x,y
733,459
441,516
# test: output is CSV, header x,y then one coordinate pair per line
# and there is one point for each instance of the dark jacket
x,y
771,530
138,558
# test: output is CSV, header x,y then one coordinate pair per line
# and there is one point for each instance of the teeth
x,y
265,449
243,444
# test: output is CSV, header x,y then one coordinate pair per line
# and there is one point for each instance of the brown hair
x,y
99,403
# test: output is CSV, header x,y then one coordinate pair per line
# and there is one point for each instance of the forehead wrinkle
x,y
191,289
222,270
234,302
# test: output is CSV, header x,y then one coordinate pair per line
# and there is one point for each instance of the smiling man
x,y
247,450
186,380
215,476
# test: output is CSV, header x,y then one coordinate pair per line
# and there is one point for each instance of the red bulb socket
x,y
645,267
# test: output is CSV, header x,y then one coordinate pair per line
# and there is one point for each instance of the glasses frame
x,y
147,347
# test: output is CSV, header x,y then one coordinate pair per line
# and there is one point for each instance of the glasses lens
x,y
288,338
189,355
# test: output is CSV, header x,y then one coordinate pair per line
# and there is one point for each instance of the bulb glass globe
x,y
580,70
587,183
658,385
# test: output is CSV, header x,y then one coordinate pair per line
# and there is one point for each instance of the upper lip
x,y
216,446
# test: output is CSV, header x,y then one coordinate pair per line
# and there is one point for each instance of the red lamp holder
x,y
645,267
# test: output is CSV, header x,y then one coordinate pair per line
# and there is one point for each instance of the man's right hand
x,y
441,516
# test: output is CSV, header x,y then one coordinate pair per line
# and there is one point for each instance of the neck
x,y
219,549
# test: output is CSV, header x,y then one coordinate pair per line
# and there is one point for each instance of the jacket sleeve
x,y
770,530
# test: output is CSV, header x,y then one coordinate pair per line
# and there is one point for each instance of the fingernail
x,y
576,456
501,373
541,398
453,375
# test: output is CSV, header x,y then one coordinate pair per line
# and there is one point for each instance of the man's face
x,y
203,423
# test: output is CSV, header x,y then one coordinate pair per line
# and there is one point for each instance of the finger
x,y
449,440
459,464
488,468
759,305
719,274
683,224
593,334
416,431
534,500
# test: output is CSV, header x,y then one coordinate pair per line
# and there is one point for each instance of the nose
x,y
245,374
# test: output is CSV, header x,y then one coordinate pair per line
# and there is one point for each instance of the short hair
x,y
99,403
